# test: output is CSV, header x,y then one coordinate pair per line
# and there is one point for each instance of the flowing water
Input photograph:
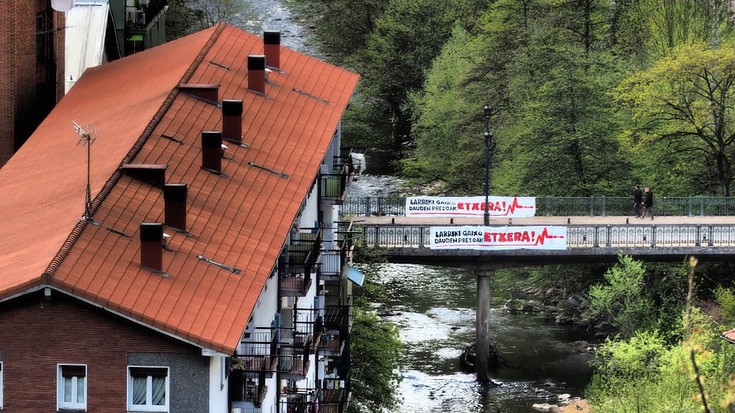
x,y
434,309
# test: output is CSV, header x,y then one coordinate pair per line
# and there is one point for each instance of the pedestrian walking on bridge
x,y
647,202
637,201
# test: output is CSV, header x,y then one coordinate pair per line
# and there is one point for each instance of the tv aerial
x,y
87,136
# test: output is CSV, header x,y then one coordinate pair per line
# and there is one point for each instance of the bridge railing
x,y
578,236
568,206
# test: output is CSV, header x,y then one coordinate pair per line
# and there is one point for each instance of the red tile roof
x,y
729,335
240,219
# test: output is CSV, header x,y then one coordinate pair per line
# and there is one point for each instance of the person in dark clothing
x,y
637,201
647,202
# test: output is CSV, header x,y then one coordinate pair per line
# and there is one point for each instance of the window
x,y
148,389
72,387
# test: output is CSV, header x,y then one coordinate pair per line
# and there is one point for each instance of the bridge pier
x,y
482,325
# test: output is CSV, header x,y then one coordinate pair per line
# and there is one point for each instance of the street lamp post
x,y
488,139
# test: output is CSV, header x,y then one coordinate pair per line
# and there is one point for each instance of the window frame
x,y
61,404
149,378
1,385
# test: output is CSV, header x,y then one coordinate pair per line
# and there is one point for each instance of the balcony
x,y
336,328
143,13
299,401
141,30
302,329
299,264
334,396
256,354
332,186
245,392
293,363
333,260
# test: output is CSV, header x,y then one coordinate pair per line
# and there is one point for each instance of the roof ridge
x,y
66,247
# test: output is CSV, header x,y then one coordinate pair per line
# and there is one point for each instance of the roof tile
x,y
240,218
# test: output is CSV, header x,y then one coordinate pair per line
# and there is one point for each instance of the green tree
x,y
673,23
623,300
341,27
446,133
560,133
685,100
374,351
407,37
188,16
375,347
646,374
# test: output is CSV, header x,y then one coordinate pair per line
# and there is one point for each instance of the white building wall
x,y
310,214
218,389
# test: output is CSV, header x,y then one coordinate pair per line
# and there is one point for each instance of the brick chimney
x,y
232,120
212,151
256,73
272,46
151,247
174,196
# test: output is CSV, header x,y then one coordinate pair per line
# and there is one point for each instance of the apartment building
x,y
170,238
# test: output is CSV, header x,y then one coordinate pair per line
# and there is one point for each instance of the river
x,y
434,309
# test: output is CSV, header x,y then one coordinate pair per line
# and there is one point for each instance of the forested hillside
x,y
588,97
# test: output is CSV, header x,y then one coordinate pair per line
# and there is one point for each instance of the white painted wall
x,y
217,385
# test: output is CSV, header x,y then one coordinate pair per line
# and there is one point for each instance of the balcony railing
x,y
333,260
598,205
332,186
257,353
307,326
299,401
300,263
337,323
293,363
142,14
333,396
246,392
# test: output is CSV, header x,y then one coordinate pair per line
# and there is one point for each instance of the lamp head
x,y
487,109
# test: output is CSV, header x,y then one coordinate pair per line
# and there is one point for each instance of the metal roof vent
x,y
272,46
256,73
174,196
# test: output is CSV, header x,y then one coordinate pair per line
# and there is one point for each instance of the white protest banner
x,y
499,238
470,206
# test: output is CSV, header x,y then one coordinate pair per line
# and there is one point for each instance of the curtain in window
x,y
159,391
67,389
80,389
139,389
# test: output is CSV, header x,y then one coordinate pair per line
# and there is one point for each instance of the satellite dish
x,y
62,5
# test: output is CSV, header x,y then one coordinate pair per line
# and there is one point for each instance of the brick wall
x,y
20,108
37,334
7,78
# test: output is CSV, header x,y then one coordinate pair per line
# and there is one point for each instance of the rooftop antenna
x,y
87,137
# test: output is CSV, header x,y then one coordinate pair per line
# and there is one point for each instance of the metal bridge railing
x,y
568,206
578,236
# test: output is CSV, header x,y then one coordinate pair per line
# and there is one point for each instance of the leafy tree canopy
x,y
686,100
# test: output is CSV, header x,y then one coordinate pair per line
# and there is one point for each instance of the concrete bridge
x,y
590,239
